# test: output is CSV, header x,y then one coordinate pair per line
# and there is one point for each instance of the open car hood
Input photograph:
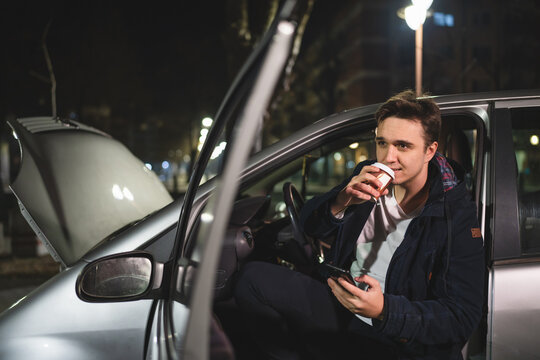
x,y
77,185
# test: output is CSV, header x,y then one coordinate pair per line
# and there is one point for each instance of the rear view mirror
x,y
119,277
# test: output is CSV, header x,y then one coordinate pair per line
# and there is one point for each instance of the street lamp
x,y
415,15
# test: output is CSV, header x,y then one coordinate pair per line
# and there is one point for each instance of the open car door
x,y
181,325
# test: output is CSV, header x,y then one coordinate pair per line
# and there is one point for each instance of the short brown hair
x,y
406,105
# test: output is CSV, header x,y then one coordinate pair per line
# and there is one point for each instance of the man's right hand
x,y
358,190
368,303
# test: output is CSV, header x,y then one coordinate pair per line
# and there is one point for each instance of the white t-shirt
x,y
381,236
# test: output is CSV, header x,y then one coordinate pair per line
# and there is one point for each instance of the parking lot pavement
x,y
19,276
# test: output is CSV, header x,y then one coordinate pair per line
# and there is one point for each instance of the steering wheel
x,y
294,203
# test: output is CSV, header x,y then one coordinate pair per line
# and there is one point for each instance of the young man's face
x,y
401,146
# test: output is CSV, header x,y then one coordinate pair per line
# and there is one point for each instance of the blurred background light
x,y
207,122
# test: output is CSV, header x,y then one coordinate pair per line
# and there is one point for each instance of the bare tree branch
x,y
50,68
297,44
243,27
272,12
40,77
287,78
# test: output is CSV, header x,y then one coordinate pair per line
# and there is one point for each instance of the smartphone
x,y
334,272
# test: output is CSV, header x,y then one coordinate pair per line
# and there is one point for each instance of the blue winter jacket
x,y
434,292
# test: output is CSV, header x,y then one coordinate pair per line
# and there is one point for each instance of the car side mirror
x,y
120,277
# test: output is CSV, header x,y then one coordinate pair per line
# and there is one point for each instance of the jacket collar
x,y
443,183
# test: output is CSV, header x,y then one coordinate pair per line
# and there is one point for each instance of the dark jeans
x,y
293,316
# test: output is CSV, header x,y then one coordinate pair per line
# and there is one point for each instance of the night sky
x,y
144,67
148,73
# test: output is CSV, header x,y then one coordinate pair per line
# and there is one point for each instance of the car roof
x,y
487,96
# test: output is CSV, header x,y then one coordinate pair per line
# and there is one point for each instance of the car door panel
x,y
514,312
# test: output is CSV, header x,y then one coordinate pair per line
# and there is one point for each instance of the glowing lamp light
x,y
165,165
415,16
534,140
207,122
354,145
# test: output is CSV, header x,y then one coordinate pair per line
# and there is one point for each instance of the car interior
x,y
263,225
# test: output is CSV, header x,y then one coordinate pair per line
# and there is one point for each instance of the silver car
x,y
145,277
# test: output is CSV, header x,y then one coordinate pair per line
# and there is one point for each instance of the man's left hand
x,y
366,303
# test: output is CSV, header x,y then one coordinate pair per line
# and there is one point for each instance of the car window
x,y
316,172
332,168
459,141
326,166
526,133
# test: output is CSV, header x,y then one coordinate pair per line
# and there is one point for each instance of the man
x,y
419,250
